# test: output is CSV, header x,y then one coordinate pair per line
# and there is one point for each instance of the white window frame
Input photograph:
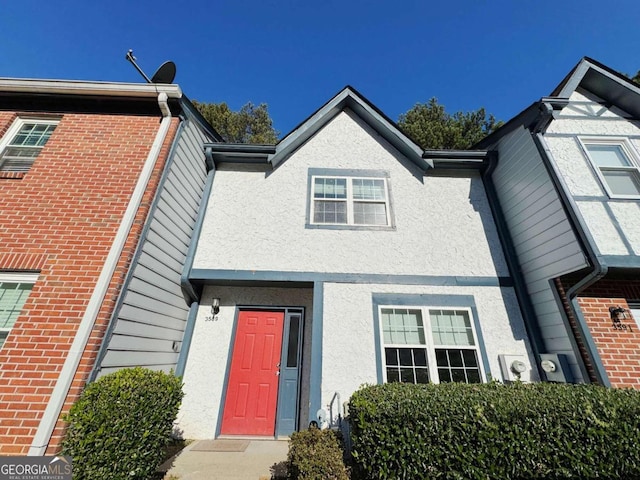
x,y
17,277
627,150
430,345
14,129
350,201
634,306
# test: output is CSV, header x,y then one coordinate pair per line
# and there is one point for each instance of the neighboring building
x,y
343,255
99,191
568,184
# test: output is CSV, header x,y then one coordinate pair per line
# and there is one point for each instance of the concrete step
x,y
233,459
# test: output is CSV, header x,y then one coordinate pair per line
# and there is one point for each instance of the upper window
x,y
424,344
23,143
350,201
616,166
14,290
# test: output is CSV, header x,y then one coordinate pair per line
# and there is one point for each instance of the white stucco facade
x,y
443,225
611,222
352,358
442,246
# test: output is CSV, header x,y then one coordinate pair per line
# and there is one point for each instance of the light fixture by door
x,y
215,306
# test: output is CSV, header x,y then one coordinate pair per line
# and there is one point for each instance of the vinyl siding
x,y
542,235
151,318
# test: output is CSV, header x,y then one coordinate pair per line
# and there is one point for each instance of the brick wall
x,y
60,219
619,348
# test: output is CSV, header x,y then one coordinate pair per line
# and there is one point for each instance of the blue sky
x,y
294,54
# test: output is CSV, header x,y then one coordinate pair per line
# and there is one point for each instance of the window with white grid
x,y
350,201
616,165
14,291
426,344
23,142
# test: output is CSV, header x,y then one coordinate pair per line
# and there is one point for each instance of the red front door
x,y
252,391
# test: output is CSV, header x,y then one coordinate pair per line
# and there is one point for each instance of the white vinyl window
x,y
23,142
634,307
616,165
14,290
429,344
350,201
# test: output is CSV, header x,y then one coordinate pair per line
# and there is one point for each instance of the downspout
x,y
526,308
598,269
188,265
60,391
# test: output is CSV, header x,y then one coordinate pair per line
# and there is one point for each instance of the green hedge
x,y
316,455
121,424
495,431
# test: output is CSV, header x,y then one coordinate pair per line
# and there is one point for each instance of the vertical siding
x,y
151,318
542,235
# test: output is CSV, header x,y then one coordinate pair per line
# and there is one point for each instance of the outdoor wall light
x,y
215,306
617,314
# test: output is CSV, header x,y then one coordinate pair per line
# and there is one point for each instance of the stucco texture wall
x,y
349,351
211,347
612,223
256,219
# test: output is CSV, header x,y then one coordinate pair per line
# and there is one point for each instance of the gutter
x,y
76,87
526,307
56,402
599,268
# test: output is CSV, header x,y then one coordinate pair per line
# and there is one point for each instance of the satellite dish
x,y
165,74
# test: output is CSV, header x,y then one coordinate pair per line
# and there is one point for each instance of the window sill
x,y
329,226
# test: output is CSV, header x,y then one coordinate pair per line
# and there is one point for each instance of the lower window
x,y
14,290
428,344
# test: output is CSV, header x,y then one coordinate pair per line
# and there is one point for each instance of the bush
x,y
121,423
316,455
495,431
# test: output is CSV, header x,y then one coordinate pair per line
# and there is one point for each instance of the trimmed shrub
x,y
121,423
316,455
495,431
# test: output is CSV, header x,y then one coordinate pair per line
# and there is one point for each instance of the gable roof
x,y
604,82
590,75
350,98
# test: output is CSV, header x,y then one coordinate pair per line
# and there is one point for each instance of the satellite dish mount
x,y
165,74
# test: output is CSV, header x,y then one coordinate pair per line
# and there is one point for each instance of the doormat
x,y
220,446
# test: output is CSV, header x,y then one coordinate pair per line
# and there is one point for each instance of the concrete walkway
x,y
228,459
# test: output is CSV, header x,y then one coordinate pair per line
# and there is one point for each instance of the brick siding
x,y
60,219
619,348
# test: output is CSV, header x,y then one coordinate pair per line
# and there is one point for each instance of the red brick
x,y
60,219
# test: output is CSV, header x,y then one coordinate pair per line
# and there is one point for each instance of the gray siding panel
x,y
542,235
152,313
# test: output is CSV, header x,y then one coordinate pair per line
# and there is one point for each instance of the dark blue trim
x,y
427,300
113,321
186,339
185,277
621,261
315,375
223,277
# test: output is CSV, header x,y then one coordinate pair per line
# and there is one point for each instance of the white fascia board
x,y
78,87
